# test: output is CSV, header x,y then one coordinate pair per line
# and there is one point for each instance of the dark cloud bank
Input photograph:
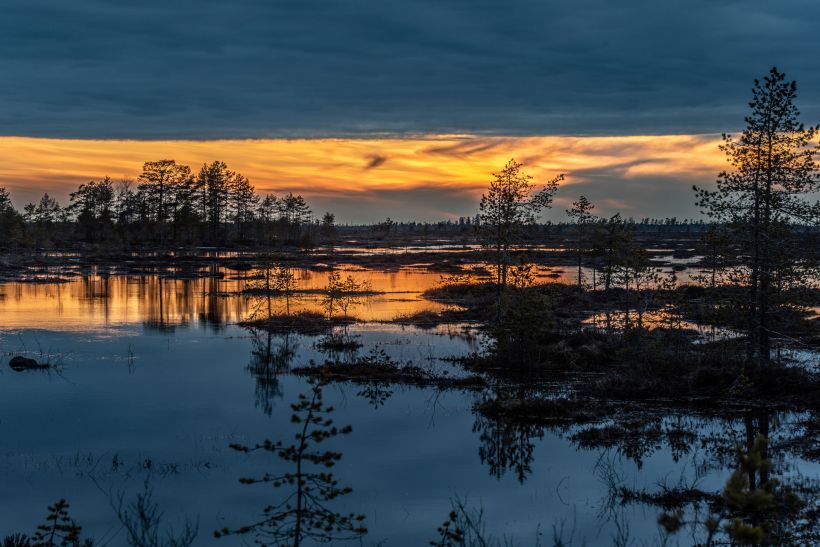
x,y
195,69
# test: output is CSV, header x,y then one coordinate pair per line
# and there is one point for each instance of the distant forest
x,y
169,204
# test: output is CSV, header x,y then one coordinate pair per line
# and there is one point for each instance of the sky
x,y
351,103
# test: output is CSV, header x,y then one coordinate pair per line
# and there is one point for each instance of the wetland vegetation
x,y
500,381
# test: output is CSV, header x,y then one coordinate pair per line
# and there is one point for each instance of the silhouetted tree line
x,y
762,244
168,204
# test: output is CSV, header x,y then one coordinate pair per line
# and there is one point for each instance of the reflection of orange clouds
x,y
91,303
333,166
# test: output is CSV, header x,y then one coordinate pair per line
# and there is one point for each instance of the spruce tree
x,y
766,200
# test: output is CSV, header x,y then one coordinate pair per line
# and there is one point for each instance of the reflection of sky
x,y
188,395
93,302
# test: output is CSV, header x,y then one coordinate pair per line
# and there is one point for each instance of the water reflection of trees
x,y
271,355
761,499
163,301
760,504
374,390
507,446
756,442
375,393
637,437
170,303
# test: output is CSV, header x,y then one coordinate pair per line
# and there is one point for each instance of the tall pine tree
x,y
766,200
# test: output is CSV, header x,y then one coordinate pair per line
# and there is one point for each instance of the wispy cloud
x,y
465,148
400,178
375,160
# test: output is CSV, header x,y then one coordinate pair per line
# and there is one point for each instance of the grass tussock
x,y
425,319
304,322
378,367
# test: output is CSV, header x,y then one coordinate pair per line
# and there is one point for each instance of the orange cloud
x,y
338,168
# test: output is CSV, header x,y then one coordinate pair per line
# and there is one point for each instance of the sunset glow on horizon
x,y
427,272
368,179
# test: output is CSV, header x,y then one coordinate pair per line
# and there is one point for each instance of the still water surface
x,y
155,380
